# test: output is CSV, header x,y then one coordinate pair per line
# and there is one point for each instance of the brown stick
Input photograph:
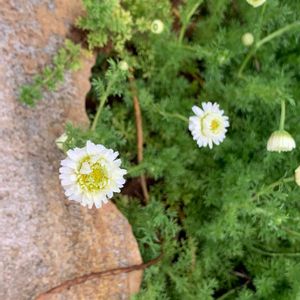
x,y
139,132
78,280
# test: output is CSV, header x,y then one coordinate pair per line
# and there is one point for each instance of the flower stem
x,y
292,232
101,105
186,22
265,40
277,33
229,293
282,116
272,186
173,115
246,60
269,253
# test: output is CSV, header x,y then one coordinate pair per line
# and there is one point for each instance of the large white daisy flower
x,y
90,175
208,126
256,3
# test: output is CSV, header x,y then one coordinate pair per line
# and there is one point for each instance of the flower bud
x,y
279,141
123,65
60,141
297,175
157,26
256,3
248,39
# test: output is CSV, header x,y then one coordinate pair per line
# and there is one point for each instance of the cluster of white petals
x,y
281,141
90,175
256,3
209,125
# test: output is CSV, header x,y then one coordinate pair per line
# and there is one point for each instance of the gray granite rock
x,y
44,238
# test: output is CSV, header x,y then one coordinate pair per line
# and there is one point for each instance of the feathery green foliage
x,y
226,219
67,58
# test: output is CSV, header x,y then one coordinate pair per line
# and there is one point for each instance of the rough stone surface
x,y
44,238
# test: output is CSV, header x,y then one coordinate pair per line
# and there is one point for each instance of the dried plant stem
x,y
139,132
78,280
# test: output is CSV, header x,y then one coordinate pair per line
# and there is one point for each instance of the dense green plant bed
x,y
226,218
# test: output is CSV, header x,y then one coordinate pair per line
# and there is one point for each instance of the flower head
x,y
157,26
248,39
209,125
297,175
90,175
280,141
256,3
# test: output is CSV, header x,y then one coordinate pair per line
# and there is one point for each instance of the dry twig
x,y
139,132
78,280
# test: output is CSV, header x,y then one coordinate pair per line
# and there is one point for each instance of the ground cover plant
x,y
223,219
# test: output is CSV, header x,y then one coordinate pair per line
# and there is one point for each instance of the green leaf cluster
x,y
106,21
67,58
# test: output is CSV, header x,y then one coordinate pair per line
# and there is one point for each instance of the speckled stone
x,y
44,238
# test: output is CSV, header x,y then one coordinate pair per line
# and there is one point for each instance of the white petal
x,y
68,163
76,154
197,110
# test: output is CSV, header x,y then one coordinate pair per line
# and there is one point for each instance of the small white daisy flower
x,y
256,3
209,125
90,175
248,39
281,141
157,26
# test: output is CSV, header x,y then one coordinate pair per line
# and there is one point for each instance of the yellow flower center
x,y
215,126
94,177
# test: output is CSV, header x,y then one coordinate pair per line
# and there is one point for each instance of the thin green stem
x,y
261,20
265,40
277,33
282,116
229,293
187,20
272,186
246,60
173,115
101,105
269,253
292,232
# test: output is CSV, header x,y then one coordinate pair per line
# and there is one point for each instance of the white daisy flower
x,y
157,26
90,175
281,141
256,3
209,125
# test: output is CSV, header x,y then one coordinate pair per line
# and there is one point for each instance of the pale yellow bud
x,y
123,65
248,39
60,141
157,26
